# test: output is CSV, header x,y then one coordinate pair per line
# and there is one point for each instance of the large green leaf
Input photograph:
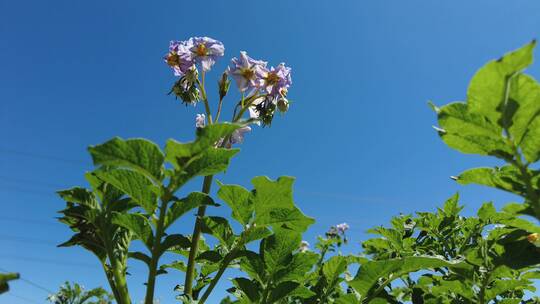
x,y
239,200
137,224
276,250
274,205
134,184
219,228
299,266
487,89
137,154
506,178
470,132
371,272
180,207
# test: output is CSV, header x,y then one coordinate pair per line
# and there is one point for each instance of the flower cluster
x,y
184,56
304,246
264,89
267,87
337,233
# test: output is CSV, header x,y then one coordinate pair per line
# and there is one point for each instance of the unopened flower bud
x,y
200,121
223,84
283,105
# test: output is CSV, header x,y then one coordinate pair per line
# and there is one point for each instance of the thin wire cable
x,y
34,284
23,239
40,156
47,261
9,293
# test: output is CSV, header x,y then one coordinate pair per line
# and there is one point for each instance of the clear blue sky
x,y
358,137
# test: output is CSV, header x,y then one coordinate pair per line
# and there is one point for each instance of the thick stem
x,y
110,279
190,271
151,283
119,286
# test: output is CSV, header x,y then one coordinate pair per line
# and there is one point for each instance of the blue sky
x,y
358,136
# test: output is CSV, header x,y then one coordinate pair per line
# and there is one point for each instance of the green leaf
x,y
301,264
219,228
487,88
80,196
136,185
253,264
210,256
254,233
137,154
292,219
176,152
506,178
182,206
140,256
277,249
369,273
176,241
530,145
282,290
471,133
333,268
487,212
137,224
249,288
238,199
274,204
273,194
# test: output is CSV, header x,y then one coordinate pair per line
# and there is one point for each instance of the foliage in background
x,y
501,262
76,294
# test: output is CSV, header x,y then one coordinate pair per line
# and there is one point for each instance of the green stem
x,y
110,279
151,283
526,177
225,263
118,275
190,271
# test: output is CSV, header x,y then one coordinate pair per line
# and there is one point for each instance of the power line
x,y
26,240
36,285
22,298
47,261
25,220
41,156
29,182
